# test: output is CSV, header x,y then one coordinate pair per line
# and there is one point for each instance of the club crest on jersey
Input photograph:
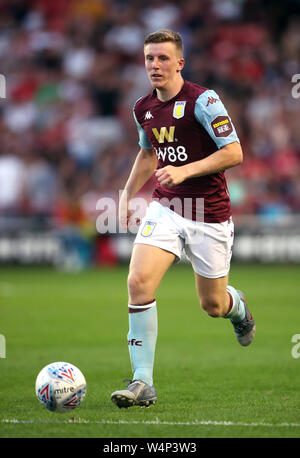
x,y
148,228
178,111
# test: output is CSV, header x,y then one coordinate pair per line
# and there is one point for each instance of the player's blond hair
x,y
163,36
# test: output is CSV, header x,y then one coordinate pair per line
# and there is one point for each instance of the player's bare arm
x,y
229,156
142,170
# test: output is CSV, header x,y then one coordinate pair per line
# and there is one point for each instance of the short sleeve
x,y
143,139
211,113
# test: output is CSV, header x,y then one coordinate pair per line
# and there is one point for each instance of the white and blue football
x,y
60,387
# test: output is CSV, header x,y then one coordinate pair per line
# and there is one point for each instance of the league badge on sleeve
x,y
178,111
222,126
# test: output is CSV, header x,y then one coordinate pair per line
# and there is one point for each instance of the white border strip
x,y
154,422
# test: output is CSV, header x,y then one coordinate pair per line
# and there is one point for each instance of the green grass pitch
x,y
207,385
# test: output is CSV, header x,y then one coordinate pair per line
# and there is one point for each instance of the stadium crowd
x,y
74,69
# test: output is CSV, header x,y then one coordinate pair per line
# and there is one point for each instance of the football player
x,y
187,140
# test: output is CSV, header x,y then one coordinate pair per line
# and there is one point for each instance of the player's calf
x,y
214,306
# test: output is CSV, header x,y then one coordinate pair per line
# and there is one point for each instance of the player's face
x,y
163,63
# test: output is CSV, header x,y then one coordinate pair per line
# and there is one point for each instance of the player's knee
x,y
137,283
212,306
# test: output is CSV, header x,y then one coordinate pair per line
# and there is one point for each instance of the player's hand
x,y
170,176
125,213
124,218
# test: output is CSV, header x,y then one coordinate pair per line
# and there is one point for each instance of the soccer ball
x,y
60,387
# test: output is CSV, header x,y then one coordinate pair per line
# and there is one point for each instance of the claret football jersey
x,y
189,127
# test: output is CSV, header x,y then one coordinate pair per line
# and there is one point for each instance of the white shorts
x,y
208,246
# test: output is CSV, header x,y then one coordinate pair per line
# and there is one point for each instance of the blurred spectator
x,y
160,14
40,185
12,175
